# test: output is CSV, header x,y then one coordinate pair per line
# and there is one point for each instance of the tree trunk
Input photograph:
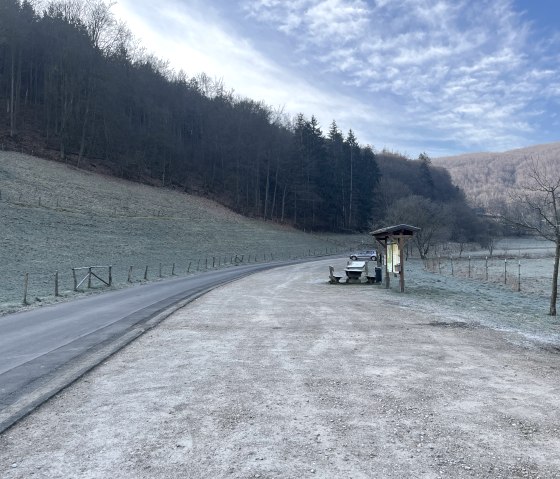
x,y
554,293
351,187
274,193
83,138
12,98
283,204
267,188
18,92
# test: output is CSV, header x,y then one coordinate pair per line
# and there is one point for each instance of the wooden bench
x,y
369,277
334,278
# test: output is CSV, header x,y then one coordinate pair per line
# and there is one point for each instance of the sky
x,y
443,77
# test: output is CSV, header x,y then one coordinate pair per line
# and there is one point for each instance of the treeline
x,y
76,83
420,194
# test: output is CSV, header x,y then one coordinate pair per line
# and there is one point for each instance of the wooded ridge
x,y
490,179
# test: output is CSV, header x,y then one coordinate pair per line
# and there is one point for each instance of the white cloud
x,y
203,43
458,71
464,64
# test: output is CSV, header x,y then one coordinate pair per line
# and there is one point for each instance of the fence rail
x,y
90,275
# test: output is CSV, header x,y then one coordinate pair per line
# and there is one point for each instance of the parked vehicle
x,y
368,255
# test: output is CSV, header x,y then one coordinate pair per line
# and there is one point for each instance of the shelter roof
x,y
396,230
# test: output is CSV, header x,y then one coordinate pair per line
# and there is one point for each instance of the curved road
x,y
44,350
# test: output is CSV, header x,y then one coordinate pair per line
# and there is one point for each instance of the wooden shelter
x,y
392,236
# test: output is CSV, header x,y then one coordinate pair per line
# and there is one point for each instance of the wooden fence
x,y
496,270
91,274
88,277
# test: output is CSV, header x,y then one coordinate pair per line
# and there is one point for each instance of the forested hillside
x,y
75,84
77,88
489,179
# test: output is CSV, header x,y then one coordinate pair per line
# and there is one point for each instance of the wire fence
x,y
516,273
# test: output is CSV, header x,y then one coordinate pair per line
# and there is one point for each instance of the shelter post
x,y
399,235
387,277
401,242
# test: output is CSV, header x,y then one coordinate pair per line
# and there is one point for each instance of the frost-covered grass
x,y
54,218
517,264
497,301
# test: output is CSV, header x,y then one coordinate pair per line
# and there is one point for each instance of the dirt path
x,y
282,375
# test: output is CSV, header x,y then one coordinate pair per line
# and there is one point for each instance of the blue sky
x,y
435,76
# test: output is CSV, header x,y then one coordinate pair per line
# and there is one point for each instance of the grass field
x,y
54,217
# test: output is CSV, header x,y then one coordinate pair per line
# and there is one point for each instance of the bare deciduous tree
x,y
432,217
537,209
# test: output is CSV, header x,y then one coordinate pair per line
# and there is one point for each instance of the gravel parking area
x,y
282,375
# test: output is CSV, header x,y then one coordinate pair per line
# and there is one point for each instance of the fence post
x,y
439,264
189,267
518,275
75,279
89,278
146,273
452,269
505,271
486,266
160,270
213,261
110,275
173,270
56,283
25,285
469,266
129,274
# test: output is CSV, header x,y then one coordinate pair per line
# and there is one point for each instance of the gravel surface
x,y
281,375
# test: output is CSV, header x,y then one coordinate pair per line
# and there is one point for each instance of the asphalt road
x,y
44,350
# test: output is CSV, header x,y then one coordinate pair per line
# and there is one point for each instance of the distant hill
x,y
488,179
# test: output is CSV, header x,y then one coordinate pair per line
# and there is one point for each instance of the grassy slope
x,y
54,217
488,178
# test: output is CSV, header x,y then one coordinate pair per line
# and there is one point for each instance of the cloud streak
x,y
467,66
443,76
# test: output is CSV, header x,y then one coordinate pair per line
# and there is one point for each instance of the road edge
x,y
76,369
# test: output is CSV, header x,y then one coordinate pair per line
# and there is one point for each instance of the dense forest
x,y
76,85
